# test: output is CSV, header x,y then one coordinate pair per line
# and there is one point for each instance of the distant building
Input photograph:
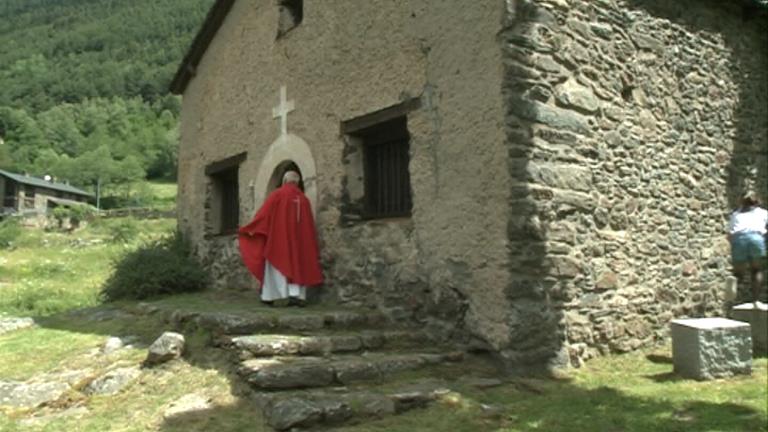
x,y
27,195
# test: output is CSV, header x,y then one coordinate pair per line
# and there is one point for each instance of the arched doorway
x,y
277,175
287,152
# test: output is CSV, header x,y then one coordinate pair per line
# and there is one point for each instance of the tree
x,y
84,84
6,162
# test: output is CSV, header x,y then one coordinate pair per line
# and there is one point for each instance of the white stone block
x,y
707,348
756,314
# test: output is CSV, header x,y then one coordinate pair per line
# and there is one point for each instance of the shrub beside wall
x,y
160,267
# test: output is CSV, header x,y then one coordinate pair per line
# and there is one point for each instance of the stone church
x,y
548,180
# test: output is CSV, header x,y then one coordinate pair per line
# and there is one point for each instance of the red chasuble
x,y
283,232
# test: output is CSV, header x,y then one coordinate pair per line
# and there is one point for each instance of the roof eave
x,y
211,25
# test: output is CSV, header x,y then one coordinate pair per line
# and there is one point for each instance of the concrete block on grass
x,y
707,348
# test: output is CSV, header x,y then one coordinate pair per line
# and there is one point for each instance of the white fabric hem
x,y
276,286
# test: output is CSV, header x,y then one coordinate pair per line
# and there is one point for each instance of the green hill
x,y
85,86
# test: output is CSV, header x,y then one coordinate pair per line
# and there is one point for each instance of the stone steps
x,y
266,345
321,366
280,373
302,409
266,320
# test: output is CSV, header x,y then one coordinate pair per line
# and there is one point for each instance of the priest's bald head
x,y
291,177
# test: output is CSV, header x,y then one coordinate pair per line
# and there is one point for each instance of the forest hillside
x,y
85,87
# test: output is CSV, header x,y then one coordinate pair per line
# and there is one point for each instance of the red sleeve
x,y
252,239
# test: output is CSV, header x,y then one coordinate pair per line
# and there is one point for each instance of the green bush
x,y
122,230
74,214
10,230
156,268
117,230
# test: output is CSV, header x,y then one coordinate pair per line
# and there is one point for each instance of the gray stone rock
x,y
646,42
393,364
372,405
234,324
281,345
343,318
269,345
603,30
301,322
408,400
571,94
561,176
298,374
345,343
321,345
112,382
8,324
294,412
348,372
112,344
167,347
334,411
189,403
756,314
551,116
707,348
17,394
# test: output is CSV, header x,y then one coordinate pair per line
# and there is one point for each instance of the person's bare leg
x,y
742,273
757,279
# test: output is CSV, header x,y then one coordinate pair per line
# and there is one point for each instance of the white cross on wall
x,y
281,111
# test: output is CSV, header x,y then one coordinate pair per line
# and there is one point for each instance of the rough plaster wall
x,y
632,127
344,61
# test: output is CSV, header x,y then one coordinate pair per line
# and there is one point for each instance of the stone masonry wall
x,y
632,128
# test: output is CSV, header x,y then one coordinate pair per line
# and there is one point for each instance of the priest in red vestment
x,y
279,246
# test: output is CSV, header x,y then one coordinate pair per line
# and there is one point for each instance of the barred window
x,y
386,177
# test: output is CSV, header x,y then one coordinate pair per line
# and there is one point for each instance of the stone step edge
x,y
307,372
241,324
266,345
285,413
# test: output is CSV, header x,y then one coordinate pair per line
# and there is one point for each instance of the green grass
x,y
155,194
49,272
633,392
68,342
246,303
163,194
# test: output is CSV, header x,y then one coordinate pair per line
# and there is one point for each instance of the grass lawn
x,y
635,392
49,272
163,194
47,275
